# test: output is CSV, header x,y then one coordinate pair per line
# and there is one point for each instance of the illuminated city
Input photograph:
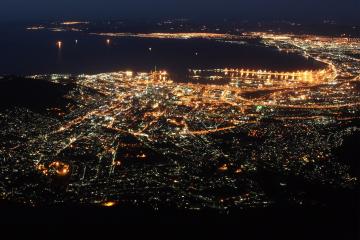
x,y
228,119
135,129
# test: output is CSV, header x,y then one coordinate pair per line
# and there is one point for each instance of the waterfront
x,y
227,138
253,129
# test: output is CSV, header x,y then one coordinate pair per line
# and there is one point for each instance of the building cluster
x,y
144,139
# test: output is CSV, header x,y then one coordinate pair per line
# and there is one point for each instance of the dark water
x,y
35,52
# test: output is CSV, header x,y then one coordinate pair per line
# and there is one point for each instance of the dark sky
x,y
301,10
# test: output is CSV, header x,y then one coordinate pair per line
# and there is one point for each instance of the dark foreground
x,y
333,222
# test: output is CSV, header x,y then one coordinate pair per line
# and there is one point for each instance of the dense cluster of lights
x,y
74,23
172,35
56,168
143,138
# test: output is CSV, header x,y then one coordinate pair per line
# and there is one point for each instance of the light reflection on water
x,y
83,53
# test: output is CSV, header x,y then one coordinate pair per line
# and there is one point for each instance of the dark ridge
x,y
349,153
286,222
36,95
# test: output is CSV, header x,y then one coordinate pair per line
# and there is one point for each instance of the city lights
x,y
241,115
109,204
143,137
74,23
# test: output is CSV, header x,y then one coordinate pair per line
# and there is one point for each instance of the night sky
x,y
298,10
